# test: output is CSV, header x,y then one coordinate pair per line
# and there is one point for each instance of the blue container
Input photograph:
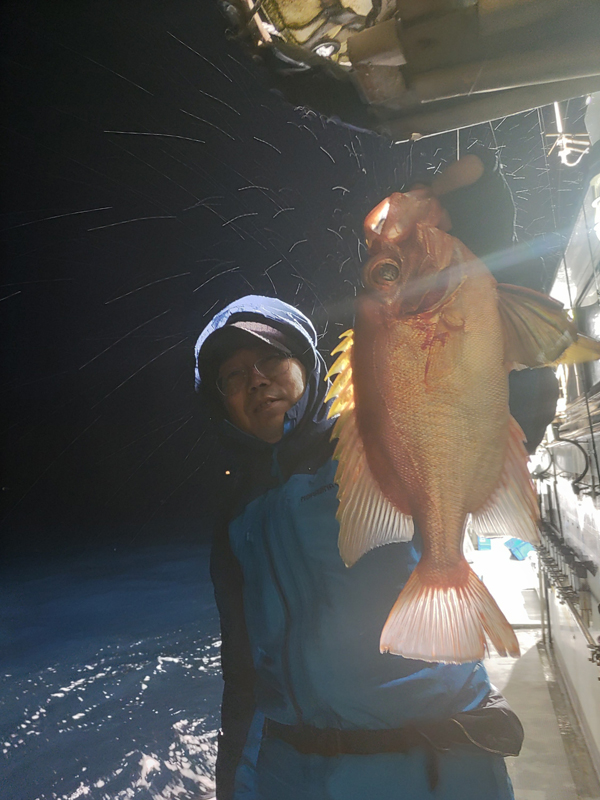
x,y
519,549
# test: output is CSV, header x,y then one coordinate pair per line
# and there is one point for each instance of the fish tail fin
x,y
446,623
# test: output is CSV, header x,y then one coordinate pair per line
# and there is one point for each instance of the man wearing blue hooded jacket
x,y
311,708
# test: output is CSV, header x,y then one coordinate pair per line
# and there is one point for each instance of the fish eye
x,y
385,272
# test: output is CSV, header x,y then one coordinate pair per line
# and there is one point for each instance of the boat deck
x,y
554,763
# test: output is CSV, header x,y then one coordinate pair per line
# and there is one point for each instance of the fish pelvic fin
x,y
367,518
537,330
512,508
446,624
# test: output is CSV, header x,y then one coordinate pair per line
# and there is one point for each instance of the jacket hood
x,y
310,412
271,310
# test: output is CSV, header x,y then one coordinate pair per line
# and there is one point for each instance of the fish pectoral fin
x,y
367,518
584,349
445,345
536,328
512,507
453,319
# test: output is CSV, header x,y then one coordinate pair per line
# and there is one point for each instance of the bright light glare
x,y
577,145
326,50
559,126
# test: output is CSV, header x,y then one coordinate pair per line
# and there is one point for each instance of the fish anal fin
x,y
536,328
367,518
446,624
512,507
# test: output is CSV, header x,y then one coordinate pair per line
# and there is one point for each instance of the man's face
x,y
258,404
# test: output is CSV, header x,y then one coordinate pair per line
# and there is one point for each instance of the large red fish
x,y
424,429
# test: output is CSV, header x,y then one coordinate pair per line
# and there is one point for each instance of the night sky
x,y
150,176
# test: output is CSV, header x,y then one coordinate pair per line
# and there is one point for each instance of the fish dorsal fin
x,y
512,508
536,328
367,518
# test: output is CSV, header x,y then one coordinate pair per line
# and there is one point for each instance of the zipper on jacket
x,y
285,658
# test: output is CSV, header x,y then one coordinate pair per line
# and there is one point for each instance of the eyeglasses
x,y
269,367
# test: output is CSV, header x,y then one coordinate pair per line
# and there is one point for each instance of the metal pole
x,y
542,604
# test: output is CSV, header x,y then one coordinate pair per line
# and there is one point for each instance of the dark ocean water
x,y
109,681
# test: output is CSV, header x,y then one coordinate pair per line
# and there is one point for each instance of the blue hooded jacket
x,y
300,631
